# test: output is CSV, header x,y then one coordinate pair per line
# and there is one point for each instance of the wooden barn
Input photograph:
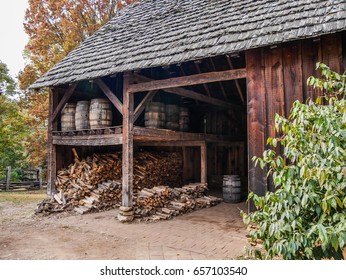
x,y
231,65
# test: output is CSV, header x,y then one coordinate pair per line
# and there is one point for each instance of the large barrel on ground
x,y
155,115
68,117
231,188
184,119
172,117
100,113
82,115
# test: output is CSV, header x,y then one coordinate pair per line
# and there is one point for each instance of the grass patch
x,y
23,197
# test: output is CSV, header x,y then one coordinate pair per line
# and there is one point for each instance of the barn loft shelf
x,y
147,136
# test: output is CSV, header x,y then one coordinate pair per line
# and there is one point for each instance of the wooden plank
x,y
192,94
63,101
185,165
275,101
204,161
311,54
174,143
256,121
88,140
110,95
292,67
141,106
332,51
189,80
127,161
148,134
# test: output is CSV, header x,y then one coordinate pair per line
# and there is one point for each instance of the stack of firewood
x,y
104,196
94,184
150,169
162,202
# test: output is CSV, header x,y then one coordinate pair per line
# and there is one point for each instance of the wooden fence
x,y
32,179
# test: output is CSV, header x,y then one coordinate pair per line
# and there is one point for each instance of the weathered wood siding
x,y
276,77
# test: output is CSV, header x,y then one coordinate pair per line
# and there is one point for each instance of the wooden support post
x,y
39,171
184,164
126,213
8,178
204,163
52,125
256,122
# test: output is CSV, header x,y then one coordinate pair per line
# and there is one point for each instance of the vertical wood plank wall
x,y
276,78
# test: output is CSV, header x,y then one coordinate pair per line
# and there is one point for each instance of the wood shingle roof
x,y
163,32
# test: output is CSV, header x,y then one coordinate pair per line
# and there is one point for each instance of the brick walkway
x,y
213,233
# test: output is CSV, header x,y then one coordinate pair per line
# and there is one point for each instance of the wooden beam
x,y
88,140
241,95
173,143
191,94
127,168
220,83
145,134
63,101
189,80
110,95
204,163
141,106
204,85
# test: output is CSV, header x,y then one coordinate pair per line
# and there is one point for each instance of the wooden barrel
x,y
82,115
155,116
68,117
172,117
184,119
100,113
231,188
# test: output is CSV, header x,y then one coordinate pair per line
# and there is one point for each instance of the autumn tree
x,y
7,84
13,128
55,28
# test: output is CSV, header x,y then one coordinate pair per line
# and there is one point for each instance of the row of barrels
x,y
93,114
170,116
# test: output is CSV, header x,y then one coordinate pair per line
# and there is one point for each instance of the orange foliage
x,y
55,28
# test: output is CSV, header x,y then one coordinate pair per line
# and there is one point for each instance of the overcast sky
x,y
12,36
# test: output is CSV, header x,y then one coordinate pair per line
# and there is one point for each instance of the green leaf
x,y
305,200
322,233
334,241
338,200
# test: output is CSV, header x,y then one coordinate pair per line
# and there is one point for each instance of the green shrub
x,y
305,218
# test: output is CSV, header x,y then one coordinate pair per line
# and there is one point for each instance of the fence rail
x,y
32,180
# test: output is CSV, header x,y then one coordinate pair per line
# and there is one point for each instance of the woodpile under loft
x,y
150,169
94,184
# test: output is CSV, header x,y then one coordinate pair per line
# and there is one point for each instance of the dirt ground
x,y
213,233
